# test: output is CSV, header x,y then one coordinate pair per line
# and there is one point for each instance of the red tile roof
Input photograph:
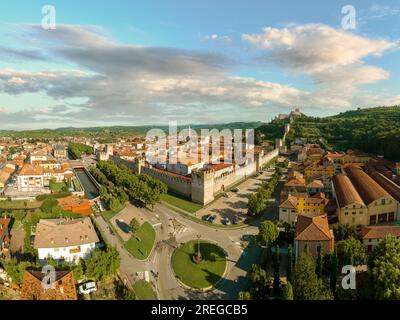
x,y
313,228
379,232
33,289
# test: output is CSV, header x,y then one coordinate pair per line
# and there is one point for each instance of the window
x,y
346,213
354,212
383,202
372,219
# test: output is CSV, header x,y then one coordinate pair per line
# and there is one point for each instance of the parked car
x,y
226,221
236,219
212,218
206,217
246,237
87,287
123,225
235,190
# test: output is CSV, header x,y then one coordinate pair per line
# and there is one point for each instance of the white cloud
x,y
314,48
131,84
217,37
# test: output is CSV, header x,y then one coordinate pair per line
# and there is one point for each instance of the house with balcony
x,y
65,239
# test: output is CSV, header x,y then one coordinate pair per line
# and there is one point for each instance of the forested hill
x,y
374,130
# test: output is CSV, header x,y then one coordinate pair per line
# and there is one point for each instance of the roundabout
x,y
199,264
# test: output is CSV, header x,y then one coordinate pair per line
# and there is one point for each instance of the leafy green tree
x,y
289,266
49,204
16,269
130,295
134,225
244,295
260,283
351,252
334,271
319,267
384,269
277,281
256,203
102,264
306,285
287,292
267,232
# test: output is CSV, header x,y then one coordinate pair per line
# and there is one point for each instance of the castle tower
x,y
203,186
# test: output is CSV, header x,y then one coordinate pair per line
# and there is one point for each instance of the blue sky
x,y
136,62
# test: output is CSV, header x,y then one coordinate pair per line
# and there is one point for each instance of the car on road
x,y
226,221
87,287
235,190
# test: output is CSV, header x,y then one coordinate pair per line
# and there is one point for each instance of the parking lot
x,y
235,203
122,220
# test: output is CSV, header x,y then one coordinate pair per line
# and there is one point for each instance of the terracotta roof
x,y
367,188
289,203
387,184
379,232
294,182
313,228
33,288
315,184
346,193
30,170
54,233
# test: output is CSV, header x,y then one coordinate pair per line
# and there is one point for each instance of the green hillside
x,y
374,130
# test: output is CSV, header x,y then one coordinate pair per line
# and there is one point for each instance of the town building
x,y
60,151
31,179
302,204
63,287
361,200
372,235
313,232
65,239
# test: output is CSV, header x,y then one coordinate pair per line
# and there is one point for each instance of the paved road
x,y
174,230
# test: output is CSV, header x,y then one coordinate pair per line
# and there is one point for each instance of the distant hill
x,y
115,132
374,130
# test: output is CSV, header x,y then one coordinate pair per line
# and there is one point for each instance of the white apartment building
x,y
65,239
30,179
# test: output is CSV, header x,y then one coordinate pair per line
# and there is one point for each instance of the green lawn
x,y
181,203
144,291
140,246
20,204
203,274
57,186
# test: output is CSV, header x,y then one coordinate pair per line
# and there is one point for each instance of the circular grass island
x,y
200,273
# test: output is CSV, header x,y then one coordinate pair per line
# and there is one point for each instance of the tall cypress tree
x,y
276,272
289,267
319,267
287,292
334,271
